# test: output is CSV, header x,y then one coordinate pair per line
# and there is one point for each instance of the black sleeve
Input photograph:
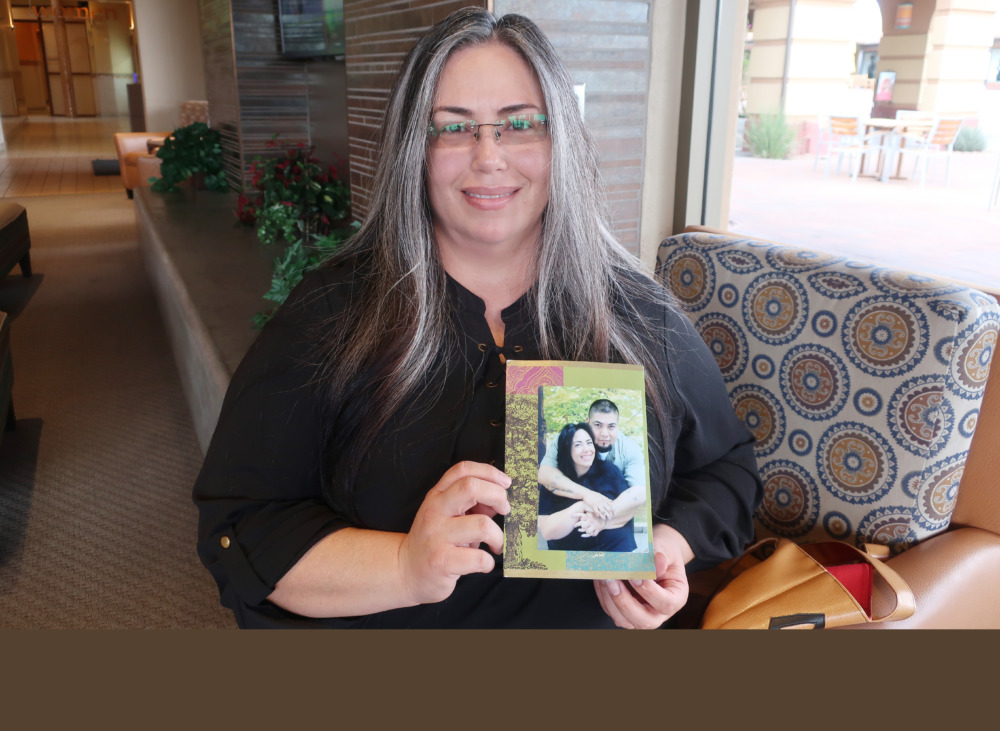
x,y
715,486
259,494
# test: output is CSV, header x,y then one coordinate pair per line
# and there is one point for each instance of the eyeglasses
x,y
517,129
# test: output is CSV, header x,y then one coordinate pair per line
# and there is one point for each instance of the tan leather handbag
x,y
778,584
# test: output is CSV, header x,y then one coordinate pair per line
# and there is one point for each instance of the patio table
x,y
894,130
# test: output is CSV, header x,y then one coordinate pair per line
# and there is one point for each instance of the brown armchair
x,y
137,158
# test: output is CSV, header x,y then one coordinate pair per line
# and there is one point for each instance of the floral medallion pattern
x,y
920,417
761,411
726,341
861,384
791,499
775,308
885,337
691,277
814,381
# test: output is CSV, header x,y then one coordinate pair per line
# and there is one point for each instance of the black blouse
x,y
262,502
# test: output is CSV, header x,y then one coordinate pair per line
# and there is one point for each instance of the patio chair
x,y
938,142
848,138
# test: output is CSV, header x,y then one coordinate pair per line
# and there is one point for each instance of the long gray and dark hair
x,y
588,284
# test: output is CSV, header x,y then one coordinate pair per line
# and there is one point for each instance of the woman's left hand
x,y
647,604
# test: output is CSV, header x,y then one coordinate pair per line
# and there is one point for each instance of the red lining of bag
x,y
857,578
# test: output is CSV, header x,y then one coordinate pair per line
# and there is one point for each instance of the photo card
x,y
585,422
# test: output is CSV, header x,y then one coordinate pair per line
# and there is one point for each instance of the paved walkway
x,y
942,230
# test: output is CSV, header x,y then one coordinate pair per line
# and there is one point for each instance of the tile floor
x,y
949,231
52,155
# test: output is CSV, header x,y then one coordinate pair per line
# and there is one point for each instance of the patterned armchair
x,y
864,387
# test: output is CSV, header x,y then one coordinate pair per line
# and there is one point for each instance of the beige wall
x,y
170,58
820,59
662,124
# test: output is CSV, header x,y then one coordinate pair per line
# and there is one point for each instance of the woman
x,y
567,524
355,476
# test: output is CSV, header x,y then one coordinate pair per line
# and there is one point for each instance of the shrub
x,y
768,135
971,139
293,196
294,200
190,151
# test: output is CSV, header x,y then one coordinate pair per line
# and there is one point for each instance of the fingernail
x,y
612,587
636,582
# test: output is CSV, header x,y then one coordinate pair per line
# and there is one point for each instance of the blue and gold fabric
x,y
862,384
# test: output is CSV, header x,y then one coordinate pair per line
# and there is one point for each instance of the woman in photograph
x,y
355,477
565,523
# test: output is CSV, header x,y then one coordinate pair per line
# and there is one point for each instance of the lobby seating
x,y
868,391
938,142
137,157
15,239
137,150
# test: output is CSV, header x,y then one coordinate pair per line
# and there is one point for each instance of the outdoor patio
x,y
942,230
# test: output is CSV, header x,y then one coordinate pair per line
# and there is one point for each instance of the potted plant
x,y
191,152
294,199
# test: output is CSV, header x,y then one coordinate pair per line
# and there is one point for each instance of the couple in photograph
x,y
592,485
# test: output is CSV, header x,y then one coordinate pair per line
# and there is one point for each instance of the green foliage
x,y
768,135
295,200
564,405
297,259
971,139
292,196
187,152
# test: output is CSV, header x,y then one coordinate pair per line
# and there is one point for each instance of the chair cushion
x,y
862,384
9,211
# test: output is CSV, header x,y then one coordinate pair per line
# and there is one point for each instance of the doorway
x,y
99,52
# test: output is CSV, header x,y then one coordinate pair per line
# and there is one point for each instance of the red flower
x,y
246,209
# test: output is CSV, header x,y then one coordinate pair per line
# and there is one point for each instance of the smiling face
x,y
489,194
582,451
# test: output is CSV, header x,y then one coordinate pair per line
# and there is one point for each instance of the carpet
x,y
97,525
106,167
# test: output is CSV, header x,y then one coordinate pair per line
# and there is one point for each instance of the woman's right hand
x,y
443,542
